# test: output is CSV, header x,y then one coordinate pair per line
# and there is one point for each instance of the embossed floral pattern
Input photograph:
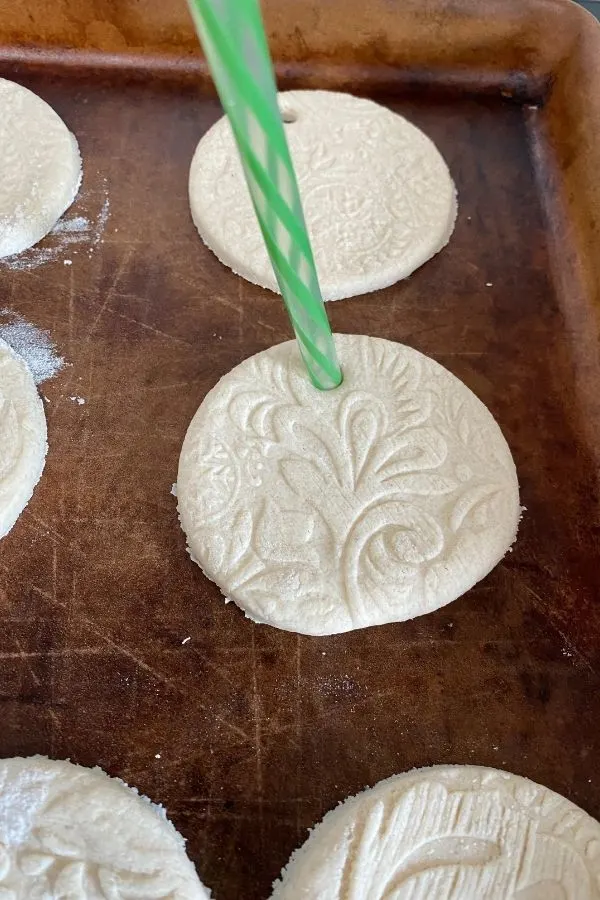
x,y
324,512
68,833
377,195
457,833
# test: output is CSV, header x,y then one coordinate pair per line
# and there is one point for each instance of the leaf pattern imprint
x,y
393,845
440,853
362,422
375,472
474,505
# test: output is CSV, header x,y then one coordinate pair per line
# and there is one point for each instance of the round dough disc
x,y
23,443
321,512
67,831
41,168
452,833
378,197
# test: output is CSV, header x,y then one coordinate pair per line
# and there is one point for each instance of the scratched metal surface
x,y
247,734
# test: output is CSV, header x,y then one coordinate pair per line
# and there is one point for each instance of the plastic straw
x,y
234,41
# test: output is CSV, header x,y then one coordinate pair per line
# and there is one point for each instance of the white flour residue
x,y
102,219
32,344
67,226
86,228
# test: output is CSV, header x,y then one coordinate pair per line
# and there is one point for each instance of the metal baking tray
x,y
248,735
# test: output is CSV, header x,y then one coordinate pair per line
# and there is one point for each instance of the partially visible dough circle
x,y
451,832
23,442
378,198
66,830
40,168
325,511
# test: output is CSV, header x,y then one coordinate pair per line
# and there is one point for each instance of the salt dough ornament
x,y
377,195
322,512
67,831
23,444
451,832
40,168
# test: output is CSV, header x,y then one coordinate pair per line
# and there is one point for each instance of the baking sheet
x,y
248,735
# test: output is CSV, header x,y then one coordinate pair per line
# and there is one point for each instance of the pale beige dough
x,y
69,832
322,512
40,168
377,195
449,833
23,442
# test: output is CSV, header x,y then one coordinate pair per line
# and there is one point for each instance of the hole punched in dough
x,y
377,195
325,511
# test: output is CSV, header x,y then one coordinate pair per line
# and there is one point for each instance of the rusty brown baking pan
x,y
248,734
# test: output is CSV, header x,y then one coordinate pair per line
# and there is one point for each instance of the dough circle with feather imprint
x,y
377,195
325,511
71,832
23,443
449,833
40,168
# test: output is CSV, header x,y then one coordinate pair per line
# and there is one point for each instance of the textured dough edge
x,y
328,822
31,232
157,809
249,614
358,286
9,518
367,286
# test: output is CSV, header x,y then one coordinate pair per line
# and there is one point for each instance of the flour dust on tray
x,y
325,511
32,344
73,236
23,443
451,832
41,168
67,831
377,195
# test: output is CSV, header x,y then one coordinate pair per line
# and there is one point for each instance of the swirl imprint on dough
x,y
367,504
453,833
75,834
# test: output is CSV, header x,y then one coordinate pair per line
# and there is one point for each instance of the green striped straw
x,y
234,41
